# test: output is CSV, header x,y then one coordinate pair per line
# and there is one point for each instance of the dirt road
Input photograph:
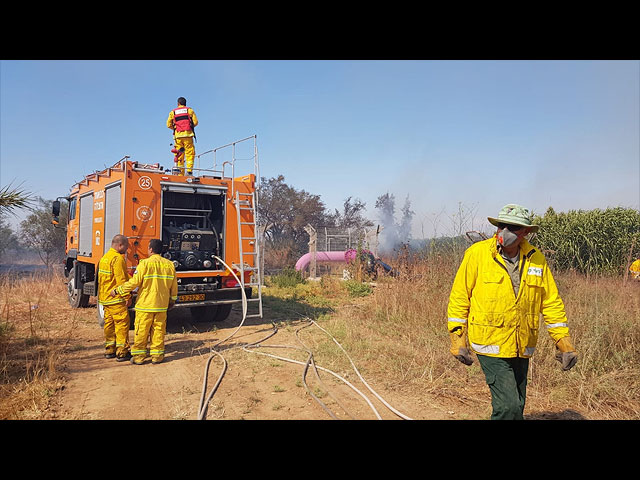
x,y
253,386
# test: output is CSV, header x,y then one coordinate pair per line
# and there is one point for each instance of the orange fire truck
x,y
207,224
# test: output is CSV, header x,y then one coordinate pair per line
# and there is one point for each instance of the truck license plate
x,y
191,298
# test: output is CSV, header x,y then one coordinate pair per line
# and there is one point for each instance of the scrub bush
x,y
357,289
289,277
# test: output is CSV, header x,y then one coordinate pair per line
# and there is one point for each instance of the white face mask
x,y
506,237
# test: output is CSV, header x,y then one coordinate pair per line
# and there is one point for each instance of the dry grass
x,y
34,336
396,336
400,335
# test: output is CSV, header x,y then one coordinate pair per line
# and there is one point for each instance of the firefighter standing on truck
x,y
112,271
155,278
182,120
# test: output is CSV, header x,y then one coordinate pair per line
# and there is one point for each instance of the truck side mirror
x,y
56,212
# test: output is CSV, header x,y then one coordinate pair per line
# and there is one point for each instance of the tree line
x,y
594,241
35,235
283,212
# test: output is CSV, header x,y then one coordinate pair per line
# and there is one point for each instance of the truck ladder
x,y
248,204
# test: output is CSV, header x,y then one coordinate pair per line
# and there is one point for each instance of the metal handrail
x,y
256,167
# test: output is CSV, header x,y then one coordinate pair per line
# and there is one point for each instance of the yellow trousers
x,y
149,326
189,153
116,329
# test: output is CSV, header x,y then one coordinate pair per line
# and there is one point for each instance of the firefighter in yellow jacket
x,y
155,278
182,120
112,271
502,286
634,269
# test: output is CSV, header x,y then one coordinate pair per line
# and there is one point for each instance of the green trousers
x,y
507,381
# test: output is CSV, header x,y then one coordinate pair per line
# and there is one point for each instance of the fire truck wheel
x,y
77,299
223,312
204,314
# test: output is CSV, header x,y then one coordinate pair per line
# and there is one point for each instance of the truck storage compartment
x,y
193,226
85,233
112,208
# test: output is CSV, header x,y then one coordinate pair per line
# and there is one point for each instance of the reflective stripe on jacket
x,y
112,271
155,278
182,120
499,324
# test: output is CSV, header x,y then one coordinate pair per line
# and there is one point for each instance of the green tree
x,y
284,211
37,232
351,216
7,237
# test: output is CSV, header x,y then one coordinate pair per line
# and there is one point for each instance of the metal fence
x,y
334,239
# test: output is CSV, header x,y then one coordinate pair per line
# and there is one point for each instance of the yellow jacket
x,y
112,271
483,302
155,278
635,269
188,133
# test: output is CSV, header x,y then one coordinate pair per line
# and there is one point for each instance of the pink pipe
x,y
305,259
350,255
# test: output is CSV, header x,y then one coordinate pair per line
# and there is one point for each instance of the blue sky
x,y
451,134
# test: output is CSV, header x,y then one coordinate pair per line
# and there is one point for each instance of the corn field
x,y
594,241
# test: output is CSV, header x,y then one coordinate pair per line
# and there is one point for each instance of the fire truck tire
x,y
204,314
223,312
77,299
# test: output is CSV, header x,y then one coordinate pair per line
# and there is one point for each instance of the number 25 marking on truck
x,y
145,182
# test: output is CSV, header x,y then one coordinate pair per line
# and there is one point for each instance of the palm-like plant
x,y
12,198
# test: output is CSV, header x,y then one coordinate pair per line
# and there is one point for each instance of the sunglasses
x,y
511,228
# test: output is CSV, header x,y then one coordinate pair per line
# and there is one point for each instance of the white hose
x,y
202,410
401,415
204,403
321,368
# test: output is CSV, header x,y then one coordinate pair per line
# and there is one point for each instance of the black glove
x,y
565,353
567,359
464,356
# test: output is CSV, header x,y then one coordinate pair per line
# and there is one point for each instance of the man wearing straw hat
x,y
502,286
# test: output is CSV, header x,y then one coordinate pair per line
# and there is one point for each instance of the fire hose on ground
x,y
310,362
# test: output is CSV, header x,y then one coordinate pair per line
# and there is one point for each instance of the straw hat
x,y
514,215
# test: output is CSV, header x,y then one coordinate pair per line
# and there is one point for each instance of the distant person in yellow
x,y
112,271
635,269
182,120
155,279
501,288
